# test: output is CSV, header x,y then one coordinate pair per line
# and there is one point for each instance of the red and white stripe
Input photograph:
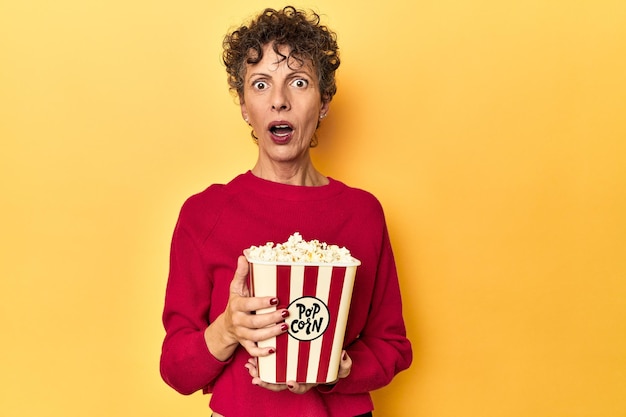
x,y
315,361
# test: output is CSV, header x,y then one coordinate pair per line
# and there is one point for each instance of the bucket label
x,y
308,318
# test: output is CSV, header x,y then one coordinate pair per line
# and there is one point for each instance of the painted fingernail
x,y
284,327
290,386
285,313
274,301
272,351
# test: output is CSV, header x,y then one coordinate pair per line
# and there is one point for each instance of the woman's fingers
x,y
345,365
257,327
264,308
292,386
239,284
252,319
251,366
254,350
297,388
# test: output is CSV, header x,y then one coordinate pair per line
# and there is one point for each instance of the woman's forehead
x,y
277,55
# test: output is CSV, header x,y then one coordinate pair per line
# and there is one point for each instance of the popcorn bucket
x,y
317,296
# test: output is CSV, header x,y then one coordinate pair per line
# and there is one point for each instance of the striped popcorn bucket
x,y
317,296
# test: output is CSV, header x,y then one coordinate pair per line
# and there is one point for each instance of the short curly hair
x,y
300,31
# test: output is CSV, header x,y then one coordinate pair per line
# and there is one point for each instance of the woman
x,y
282,67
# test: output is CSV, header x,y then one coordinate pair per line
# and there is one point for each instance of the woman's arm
x,y
195,351
382,349
236,326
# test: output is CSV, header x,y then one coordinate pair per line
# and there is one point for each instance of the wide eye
x,y
300,83
259,85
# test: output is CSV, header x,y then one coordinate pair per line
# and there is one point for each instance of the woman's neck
x,y
292,174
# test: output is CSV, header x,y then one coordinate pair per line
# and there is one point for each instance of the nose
x,y
280,99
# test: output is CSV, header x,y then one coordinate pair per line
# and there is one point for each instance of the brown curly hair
x,y
300,31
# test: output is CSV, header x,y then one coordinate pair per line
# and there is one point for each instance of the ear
x,y
244,110
325,107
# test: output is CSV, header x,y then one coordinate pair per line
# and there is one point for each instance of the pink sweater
x,y
213,229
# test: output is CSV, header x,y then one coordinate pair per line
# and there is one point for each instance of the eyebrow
x,y
258,74
291,74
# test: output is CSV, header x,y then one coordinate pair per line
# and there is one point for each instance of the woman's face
x,y
283,105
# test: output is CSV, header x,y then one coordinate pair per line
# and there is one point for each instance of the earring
x,y
322,116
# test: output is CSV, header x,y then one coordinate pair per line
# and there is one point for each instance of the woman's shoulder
x,y
204,208
209,197
359,195
213,196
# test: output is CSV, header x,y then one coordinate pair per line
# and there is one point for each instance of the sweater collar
x,y
248,182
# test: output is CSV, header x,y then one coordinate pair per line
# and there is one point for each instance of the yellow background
x,y
493,132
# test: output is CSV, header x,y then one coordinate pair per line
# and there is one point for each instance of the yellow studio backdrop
x,y
493,132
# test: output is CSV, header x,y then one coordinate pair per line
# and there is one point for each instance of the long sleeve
x,y
186,363
382,349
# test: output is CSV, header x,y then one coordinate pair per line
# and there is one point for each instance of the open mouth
x,y
281,129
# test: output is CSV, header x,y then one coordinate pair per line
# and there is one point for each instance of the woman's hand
x,y
237,325
292,386
345,365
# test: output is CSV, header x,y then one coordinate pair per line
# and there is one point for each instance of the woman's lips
x,y
281,132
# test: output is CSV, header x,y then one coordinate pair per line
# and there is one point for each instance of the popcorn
x,y
296,249
314,282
